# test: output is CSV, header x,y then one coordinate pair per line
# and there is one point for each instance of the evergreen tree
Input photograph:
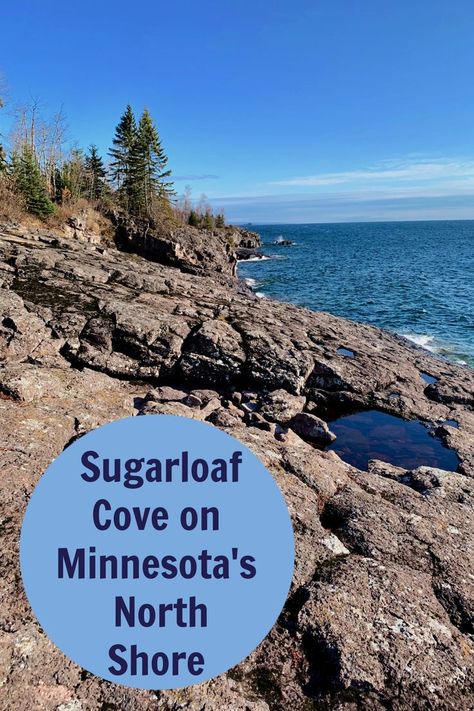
x,y
95,173
139,164
147,179
123,155
207,220
220,220
30,183
152,160
193,219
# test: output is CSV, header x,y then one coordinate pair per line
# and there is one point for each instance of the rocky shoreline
x,y
381,609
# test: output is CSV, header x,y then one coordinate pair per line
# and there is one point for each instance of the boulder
x,y
166,394
312,428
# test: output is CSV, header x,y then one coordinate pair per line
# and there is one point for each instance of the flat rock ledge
x,y
381,610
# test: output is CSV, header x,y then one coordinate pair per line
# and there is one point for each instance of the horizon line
x,y
241,223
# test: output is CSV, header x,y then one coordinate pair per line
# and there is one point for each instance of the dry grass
x,y
12,208
163,219
94,222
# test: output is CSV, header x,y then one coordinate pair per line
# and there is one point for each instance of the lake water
x,y
414,278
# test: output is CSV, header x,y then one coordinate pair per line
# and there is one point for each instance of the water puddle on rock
x,y
346,352
377,435
430,379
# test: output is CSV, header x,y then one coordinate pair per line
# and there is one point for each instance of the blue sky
x,y
302,111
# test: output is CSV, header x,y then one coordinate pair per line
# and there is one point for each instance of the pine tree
x,y
148,172
220,220
30,183
139,165
193,219
95,173
123,155
154,160
207,220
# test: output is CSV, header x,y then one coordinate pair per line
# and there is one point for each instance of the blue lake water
x,y
414,278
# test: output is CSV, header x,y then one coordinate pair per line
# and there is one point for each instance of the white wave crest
x,y
422,339
437,346
263,258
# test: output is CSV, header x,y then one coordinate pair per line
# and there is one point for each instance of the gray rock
x,y
213,354
223,418
280,406
193,401
367,621
204,396
166,394
312,428
237,398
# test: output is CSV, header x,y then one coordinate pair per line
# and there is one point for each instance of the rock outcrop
x,y
187,248
381,610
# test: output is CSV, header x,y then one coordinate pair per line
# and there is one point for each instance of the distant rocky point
x,y
188,248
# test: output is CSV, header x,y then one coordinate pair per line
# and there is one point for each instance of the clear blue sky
x,y
278,110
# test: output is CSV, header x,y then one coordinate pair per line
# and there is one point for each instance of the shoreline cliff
x,y
381,609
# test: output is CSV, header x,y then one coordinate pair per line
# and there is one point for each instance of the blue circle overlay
x,y
203,566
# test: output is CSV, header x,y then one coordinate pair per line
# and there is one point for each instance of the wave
x,y
254,285
264,258
421,339
438,347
